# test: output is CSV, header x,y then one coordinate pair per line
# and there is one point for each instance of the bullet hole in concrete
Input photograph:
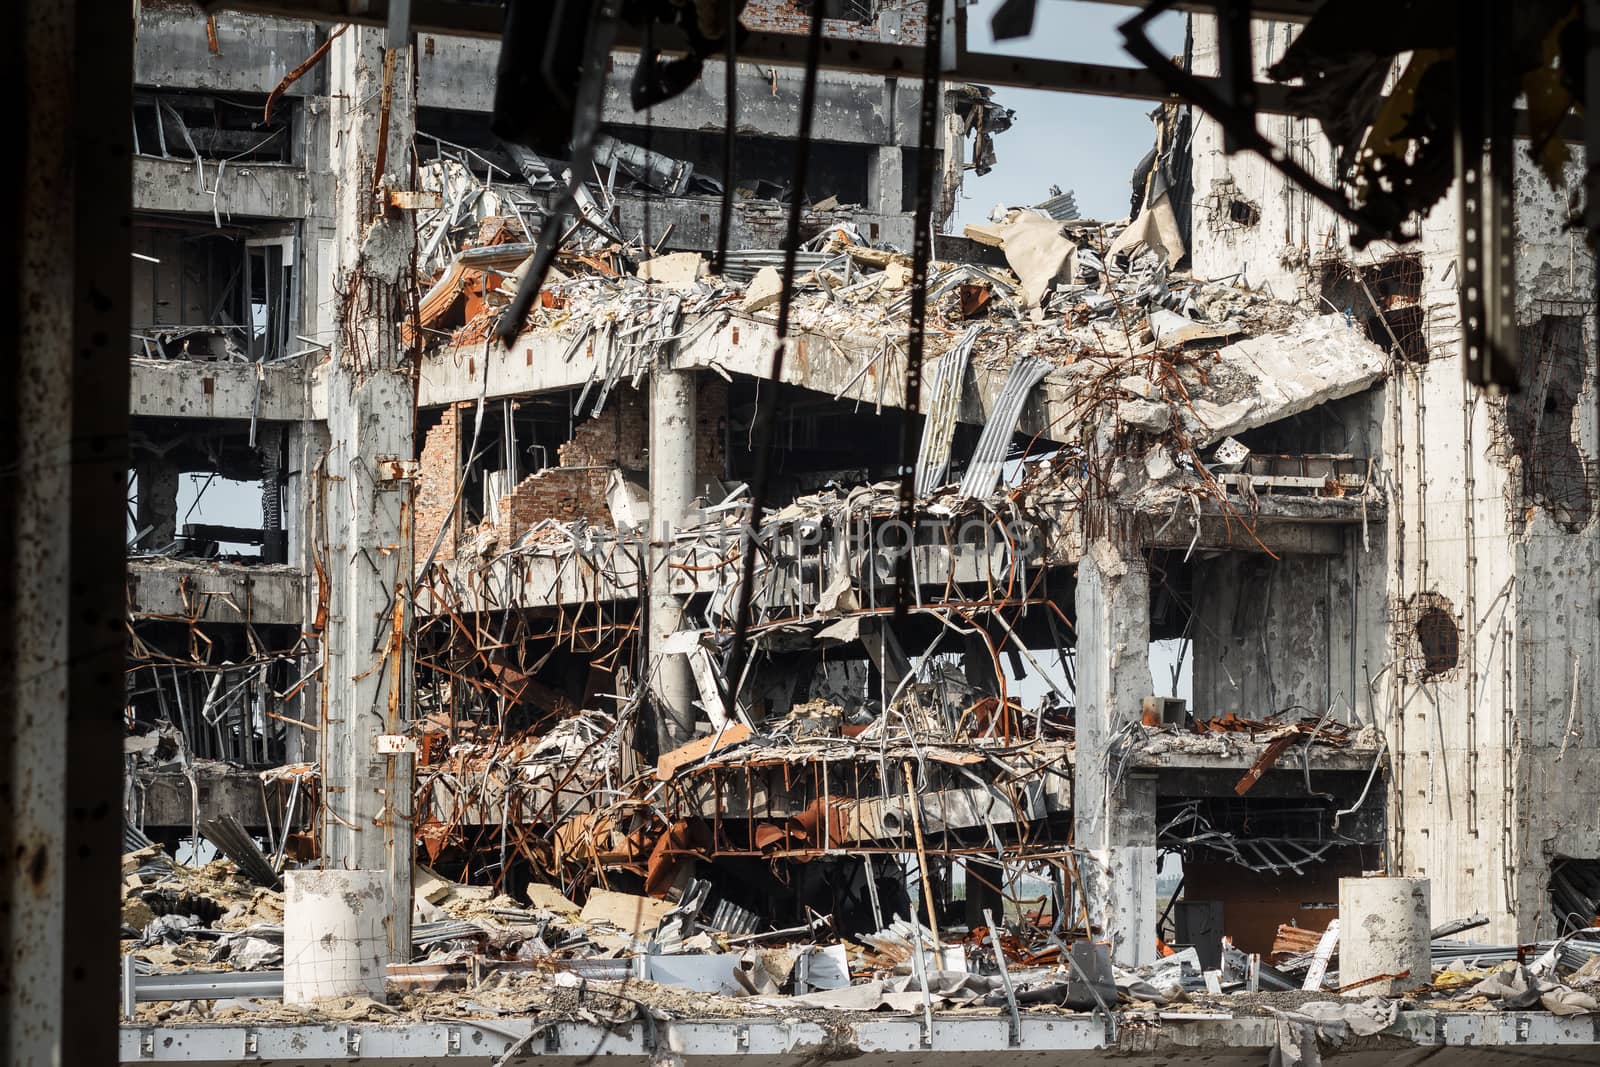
x,y
1432,634
1440,641
1540,421
1384,297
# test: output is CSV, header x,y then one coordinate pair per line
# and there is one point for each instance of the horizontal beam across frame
x,y
472,18
863,57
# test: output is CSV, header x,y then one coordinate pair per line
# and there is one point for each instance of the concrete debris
x,y
763,291
679,270
584,657
1148,415
1035,248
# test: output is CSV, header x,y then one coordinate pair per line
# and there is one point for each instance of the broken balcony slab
x,y
537,363
853,356
259,190
555,565
1239,756
1321,360
167,798
204,591
218,389
564,568
1279,525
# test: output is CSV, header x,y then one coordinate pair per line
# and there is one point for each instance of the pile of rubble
x,y
621,957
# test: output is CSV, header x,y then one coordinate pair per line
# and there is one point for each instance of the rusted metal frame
x,y
952,852
317,55
932,608
994,656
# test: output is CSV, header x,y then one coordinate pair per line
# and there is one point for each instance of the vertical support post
x,y
158,501
63,430
367,525
1484,164
985,882
672,492
308,444
886,179
1114,815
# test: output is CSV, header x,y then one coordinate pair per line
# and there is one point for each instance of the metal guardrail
x,y
194,985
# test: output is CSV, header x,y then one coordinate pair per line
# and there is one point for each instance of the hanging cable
x,y
767,401
921,254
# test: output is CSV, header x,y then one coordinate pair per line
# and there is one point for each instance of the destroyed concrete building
x,y
490,606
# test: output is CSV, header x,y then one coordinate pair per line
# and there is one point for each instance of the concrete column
x,y
308,444
978,665
672,492
1114,822
64,430
366,532
1385,927
158,501
333,935
886,179
981,895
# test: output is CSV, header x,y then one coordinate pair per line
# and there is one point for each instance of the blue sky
x,y
1087,144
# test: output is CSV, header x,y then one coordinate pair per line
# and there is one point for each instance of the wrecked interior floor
x,y
947,779
767,867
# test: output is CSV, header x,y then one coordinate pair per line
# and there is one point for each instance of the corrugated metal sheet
x,y
1062,207
933,457
989,457
742,264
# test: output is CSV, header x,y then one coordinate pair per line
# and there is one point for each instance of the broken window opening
x,y
214,699
860,11
213,126
205,293
1229,209
208,493
1172,669
1574,893
270,282
821,441
1384,297
1542,423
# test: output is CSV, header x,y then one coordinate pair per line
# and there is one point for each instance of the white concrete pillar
x,y
672,493
334,934
886,179
308,443
1385,927
365,533
1115,823
1113,628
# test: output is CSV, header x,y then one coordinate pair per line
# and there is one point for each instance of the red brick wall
x,y
575,489
436,484
565,494
617,437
